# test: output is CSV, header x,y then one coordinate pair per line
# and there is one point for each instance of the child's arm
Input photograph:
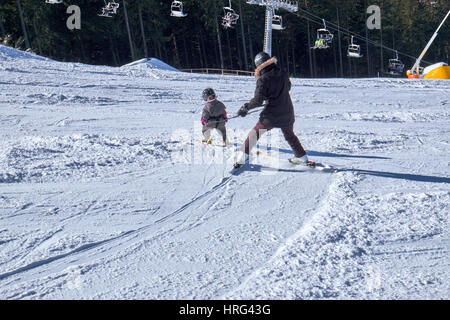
x,y
205,115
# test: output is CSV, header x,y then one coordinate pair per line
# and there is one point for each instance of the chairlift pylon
x,y
176,9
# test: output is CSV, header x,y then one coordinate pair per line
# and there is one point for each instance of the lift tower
x,y
271,6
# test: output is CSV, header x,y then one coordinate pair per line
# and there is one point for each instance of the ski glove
x,y
243,111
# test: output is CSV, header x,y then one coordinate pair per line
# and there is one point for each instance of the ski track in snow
x,y
97,202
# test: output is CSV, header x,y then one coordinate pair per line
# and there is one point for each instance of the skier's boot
x,y
225,143
303,161
242,159
209,141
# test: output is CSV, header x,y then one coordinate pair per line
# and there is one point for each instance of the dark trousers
x,y
288,133
220,126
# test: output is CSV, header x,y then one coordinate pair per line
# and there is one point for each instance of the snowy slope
x,y
103,194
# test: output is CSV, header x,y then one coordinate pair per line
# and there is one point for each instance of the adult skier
x,y
273,86
214,116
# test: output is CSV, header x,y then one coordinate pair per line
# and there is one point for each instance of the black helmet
x,y
261,58
208,92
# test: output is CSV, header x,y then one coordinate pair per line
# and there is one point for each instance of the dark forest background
x,y
199,40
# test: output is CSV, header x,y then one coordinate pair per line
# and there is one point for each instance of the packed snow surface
x,y
105,192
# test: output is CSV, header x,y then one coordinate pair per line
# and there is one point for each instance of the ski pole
x,y
253,111
236,116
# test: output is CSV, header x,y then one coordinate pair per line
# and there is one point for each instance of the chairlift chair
x,y
112,7
324,34
230,17
395,65
105,13
432,2
176,9
324,38
277,22
354,50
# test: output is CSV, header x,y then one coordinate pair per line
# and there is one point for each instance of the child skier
x,y
214,116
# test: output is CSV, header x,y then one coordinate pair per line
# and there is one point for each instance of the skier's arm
x,y
259,96
205,114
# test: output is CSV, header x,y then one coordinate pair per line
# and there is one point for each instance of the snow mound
x,y
151,63
8,53
41,159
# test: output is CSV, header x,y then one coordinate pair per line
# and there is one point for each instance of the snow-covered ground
x,y
103,195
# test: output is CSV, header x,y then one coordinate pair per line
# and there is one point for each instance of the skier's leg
x,y
206,133
293,141
253,137
223,130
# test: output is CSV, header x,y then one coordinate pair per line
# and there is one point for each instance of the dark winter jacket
x,y
273,86
213,113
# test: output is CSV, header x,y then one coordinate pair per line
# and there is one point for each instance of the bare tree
x,y
22,22
142,31
133,55
241,17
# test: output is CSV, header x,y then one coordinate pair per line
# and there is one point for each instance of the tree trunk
x,y
200,51
340,49
144,41
177,55
36,32
111,48
350,67
311,70
314,64
133,55
203,48
22,22
381,49
159,49
2,28
243,37
186,57
219,41
83,53
335,62
229,50
239,51
250,45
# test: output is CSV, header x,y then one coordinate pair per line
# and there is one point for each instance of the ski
x,y
214,144
311,165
